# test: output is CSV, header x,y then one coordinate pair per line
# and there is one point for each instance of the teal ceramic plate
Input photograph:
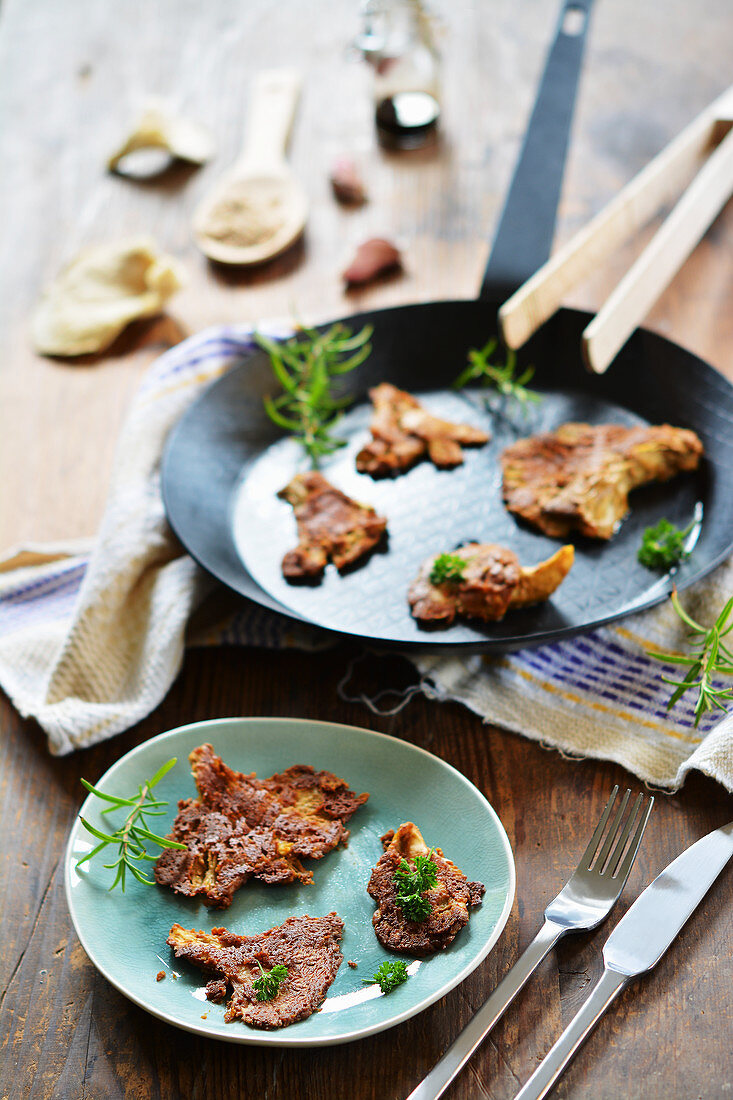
x,y
124,934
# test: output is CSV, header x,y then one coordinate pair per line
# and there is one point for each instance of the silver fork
x,y
585,900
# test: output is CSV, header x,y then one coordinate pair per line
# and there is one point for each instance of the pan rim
x,y
431,642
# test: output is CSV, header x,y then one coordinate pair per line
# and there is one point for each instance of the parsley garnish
x,y
499,377
709,657
306,366
411,884
268,984
664,545
389,975
133,837
447,567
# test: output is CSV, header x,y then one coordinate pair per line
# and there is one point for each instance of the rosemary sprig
x,y
268,984
447,567
411,885
710,657
500,377
133,835
389,975
663,546
305,367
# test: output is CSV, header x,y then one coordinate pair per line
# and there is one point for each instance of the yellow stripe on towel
x,y
571,697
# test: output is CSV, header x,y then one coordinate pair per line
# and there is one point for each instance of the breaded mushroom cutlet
x,y
242,827
578,478
449,900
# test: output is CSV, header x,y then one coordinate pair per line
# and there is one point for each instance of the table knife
x,y
637,943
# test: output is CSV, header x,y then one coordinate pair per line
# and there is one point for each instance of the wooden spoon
x,y
258,208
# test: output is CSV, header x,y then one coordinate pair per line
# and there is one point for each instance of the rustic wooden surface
x,y
72,75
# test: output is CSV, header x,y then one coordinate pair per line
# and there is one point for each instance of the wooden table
x,y
73,74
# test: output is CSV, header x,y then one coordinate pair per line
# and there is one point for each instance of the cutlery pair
x,y
635,946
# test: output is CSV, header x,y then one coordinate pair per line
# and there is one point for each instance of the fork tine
x,y
612,832
590,851
623,871
618,851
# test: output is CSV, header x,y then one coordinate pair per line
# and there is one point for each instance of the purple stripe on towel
x,y
46,586
552,663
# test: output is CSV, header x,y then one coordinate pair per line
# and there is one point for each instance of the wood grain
x,y
64,1024
71,77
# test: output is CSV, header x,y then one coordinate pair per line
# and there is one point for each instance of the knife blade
x,y
644,933
638,942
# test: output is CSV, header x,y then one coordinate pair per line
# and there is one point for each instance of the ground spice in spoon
x,y
249,212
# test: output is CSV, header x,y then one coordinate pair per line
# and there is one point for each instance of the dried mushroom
x,y
159,128
99,293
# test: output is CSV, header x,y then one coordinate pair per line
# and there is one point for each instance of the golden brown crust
x,y
331,527
307,946
241,827
538,582
403,432
493,581
450,899
578,478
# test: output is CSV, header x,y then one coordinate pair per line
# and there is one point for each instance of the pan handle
x,y
523,240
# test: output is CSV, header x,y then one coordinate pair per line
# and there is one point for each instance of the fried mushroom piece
x,y
578,478
241,827
307,946
331,526
450,899
403,432
493,581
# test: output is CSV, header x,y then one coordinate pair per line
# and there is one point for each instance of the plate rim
x,y
276,1038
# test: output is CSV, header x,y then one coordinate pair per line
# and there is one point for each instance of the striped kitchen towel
x,y
92,633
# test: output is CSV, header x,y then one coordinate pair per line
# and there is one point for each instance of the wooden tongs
x,y
708,136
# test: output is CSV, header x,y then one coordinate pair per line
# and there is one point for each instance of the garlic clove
x,y
347,183
373,258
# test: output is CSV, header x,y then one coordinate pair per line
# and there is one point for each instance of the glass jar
x,y
398,40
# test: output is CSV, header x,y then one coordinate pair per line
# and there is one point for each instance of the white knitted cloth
x,y
92,634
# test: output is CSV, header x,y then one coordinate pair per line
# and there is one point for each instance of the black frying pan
x,y
225,460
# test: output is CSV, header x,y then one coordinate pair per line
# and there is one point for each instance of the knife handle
x,y
437,1081
548,1071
